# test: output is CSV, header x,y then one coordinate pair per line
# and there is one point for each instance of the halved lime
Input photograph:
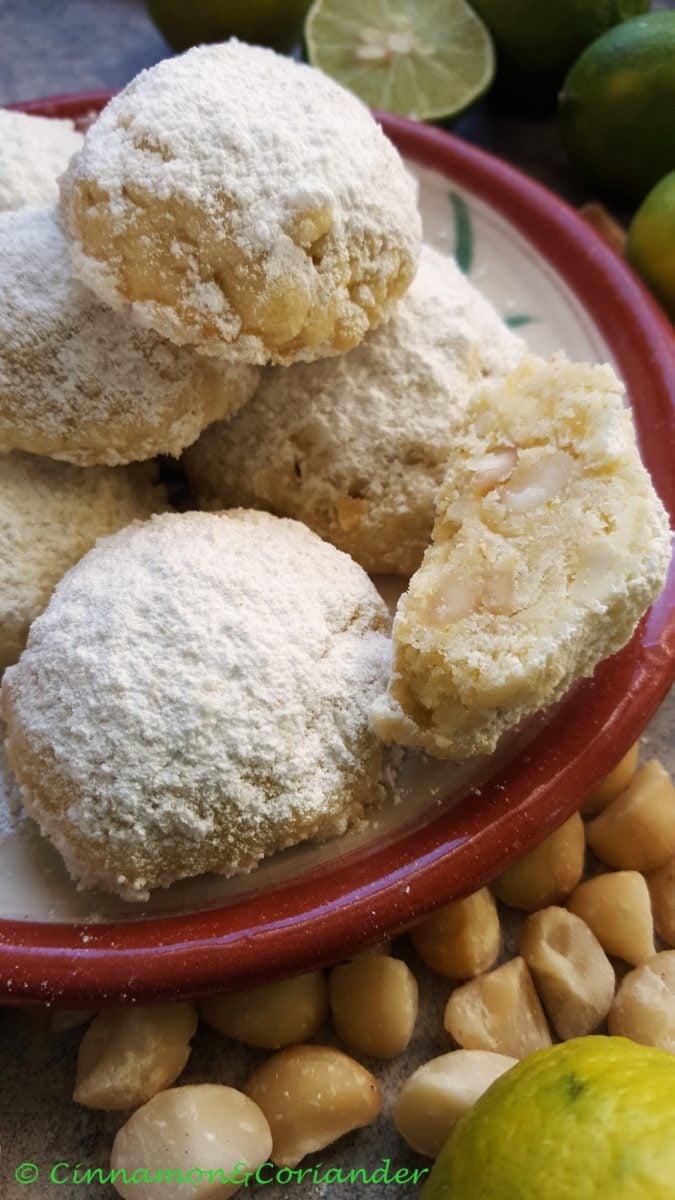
x,y
419,58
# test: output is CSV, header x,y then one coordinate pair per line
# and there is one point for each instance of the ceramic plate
x,y
451,829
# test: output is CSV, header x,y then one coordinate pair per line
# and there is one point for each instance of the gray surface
x,y
51,46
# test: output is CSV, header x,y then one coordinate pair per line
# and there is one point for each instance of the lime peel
x,y
588,1118
650,248
617,105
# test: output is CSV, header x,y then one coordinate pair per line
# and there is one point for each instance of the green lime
x,y
590,1119
537,42
617,106
419,58
187,23
651,242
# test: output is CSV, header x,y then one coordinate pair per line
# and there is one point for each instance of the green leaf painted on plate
x,y
463,233
518,319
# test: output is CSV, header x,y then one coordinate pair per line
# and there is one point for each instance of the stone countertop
x,y
55,46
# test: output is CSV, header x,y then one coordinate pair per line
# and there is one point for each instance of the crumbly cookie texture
x,y
245,204
12,815
195,697
34,151
50,514
549,545
356,446
82,383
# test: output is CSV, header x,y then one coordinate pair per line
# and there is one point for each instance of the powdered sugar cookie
x,y
82,383
50,515
195,697
245,204
549,545
34,151
356,446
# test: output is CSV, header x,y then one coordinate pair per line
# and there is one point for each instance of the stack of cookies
x,y
234,276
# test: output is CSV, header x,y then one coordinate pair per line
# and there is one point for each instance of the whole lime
x,y
187,23
651,242
537,42
590,1119
617,107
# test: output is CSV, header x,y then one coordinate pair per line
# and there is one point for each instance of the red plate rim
x,y
378,893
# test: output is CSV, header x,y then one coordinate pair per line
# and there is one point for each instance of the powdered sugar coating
x,y
81,383
34,151
196,696
245,204
356,446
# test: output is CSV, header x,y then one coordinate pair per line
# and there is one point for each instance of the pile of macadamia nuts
x,y
579,934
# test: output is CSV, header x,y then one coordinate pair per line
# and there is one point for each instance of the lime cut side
x,y
418,58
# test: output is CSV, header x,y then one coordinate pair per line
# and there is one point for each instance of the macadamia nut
x,y
613,784
661,885
311,1096
500,1011
438,1093
616,906
272,1016
636,832
462,939
214,1129
547,874
644,1005
128,1055
571,971
374,1005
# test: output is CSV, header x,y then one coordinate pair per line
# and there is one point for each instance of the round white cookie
x,y
195,697
82,383
50,514
356,447
34,151
245,204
